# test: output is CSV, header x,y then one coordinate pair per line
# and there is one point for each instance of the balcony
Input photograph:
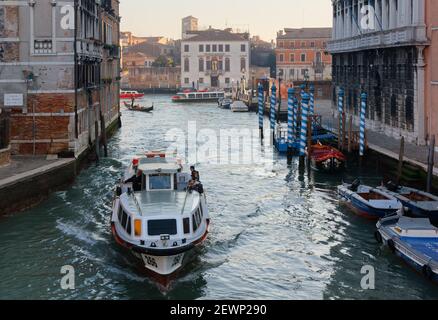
x,y
405,36
214,73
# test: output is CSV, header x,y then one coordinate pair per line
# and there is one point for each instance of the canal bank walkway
x,y
27,180
379,142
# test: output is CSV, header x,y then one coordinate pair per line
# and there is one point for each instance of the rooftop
x,y
216,35
305,33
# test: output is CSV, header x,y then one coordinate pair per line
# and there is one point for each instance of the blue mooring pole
x,y
290,123
341,115
273,110
261,109
312,100
363,110
304,122
295,100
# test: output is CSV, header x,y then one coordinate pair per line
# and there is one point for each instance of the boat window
x,y
221,95
191,96
124,220
186,225
214,95
206,95
128,227
119,214
160,182
159,227
195,225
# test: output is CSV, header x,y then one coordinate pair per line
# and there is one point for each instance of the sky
x,y
263,18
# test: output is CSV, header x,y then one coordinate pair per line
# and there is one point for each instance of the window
x,y
221,48
186,80
281,44
208,65
159,227
128,226
304,72
291,73
186,65
201,80
227,80
215,48
281,57
119,214
227,65
292,57
201,65
318,57
303,57
292,44
312,44
243,48
186,48
124,219
201,48
227,48
220,65
2,19
303,44
160,182
243,64
186,225
208,48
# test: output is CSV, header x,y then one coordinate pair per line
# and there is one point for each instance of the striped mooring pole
x,y
295,100
304,115
273,110
363,110
261,109
312,100
341,114
290,122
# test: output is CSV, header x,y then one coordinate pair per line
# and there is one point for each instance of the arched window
x,y
186,65
318,57
201,65
242,64
227,65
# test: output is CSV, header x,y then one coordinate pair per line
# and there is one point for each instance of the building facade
x,y
302,54
150,79
214,59
55,56
189,24
386,49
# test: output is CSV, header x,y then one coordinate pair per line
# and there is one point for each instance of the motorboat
x,y
417,203
158,215
198,96
326,158
239,106
131,95
371,203
225,103
415,240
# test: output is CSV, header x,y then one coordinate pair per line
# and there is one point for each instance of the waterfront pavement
x,y
379,142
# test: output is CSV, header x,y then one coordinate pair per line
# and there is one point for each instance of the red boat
x,y
326,158
131,95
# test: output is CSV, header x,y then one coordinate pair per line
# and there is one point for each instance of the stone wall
x,y
5,157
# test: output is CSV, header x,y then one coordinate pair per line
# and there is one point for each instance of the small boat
x,y
417,203
326,158
225,103
198,96
239,106
130,95
415,240
371,203
157,216
138,107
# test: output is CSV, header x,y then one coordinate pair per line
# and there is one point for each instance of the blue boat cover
x,y
427,246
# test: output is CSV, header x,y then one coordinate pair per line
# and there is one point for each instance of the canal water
x,y
277,232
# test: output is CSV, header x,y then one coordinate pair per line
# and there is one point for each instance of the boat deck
x,y
427,246
164,202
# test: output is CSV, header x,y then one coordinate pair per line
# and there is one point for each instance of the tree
x,y
163,61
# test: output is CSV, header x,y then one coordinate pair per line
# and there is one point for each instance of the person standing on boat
x,y
136,181
194,183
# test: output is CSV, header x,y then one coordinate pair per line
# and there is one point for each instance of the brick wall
x,y
5,156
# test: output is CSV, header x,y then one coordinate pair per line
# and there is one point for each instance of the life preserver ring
x,y
427,272
378,237
391,245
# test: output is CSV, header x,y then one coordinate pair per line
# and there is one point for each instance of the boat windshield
x,y
160,182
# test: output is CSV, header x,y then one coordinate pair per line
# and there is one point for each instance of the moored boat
x,y
157,215
417,203
198,96
371,203
326,158
225,103
415,240
131,95
239,106
137,107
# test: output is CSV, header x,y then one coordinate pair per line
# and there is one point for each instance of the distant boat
x,y
418,203
225,103
138,107
198,96
239,106
414,240
368,202
326,158
130,95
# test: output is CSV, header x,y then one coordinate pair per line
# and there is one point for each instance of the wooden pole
x,y
430,163
103,134
344,118
350,134
309,138
400,160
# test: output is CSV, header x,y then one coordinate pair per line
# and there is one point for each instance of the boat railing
x,y
134,198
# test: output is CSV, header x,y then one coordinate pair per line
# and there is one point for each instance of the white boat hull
x,y
163,266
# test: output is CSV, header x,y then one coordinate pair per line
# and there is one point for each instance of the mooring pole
x,y
363,110
261,110
312,100
273,110
304,122
341,111
430,164
295,102
350,134
290,124
400,160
